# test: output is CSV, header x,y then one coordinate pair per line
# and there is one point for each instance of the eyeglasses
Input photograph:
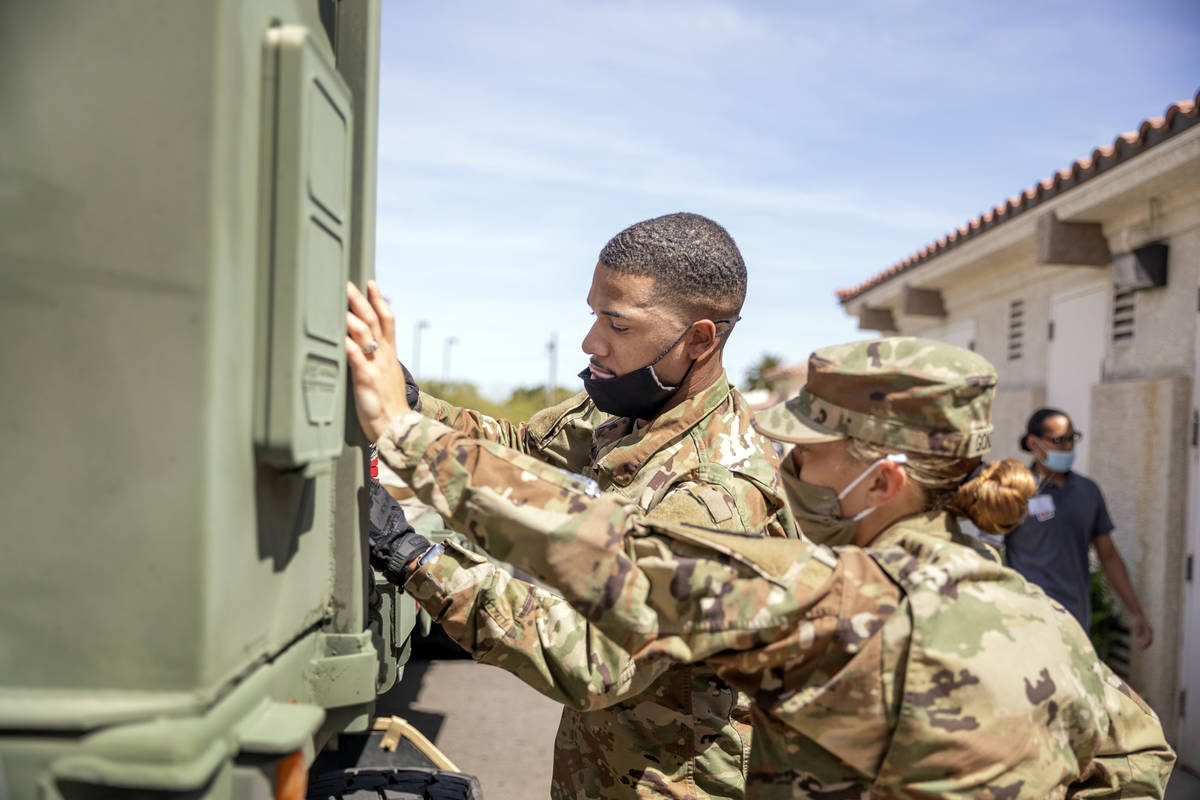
x,y
1070,438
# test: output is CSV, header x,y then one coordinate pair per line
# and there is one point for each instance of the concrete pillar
x,y
1139,433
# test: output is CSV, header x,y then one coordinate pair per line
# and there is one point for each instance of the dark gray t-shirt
x,y
1052,550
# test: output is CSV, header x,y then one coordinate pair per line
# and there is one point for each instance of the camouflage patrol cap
x,y
912,394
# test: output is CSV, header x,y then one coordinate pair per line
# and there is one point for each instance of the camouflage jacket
x,y
624,733
918,668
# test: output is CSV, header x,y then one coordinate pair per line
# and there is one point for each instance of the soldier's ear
x,y
885,484
892,479
701,338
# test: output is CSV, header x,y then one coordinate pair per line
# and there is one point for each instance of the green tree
x,y
756,376
524,402
464,395
521,404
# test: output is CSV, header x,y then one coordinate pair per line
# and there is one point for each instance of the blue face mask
x,y
1058,460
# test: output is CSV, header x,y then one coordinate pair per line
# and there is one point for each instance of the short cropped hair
x,y
695,263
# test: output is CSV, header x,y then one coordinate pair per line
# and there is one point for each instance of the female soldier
x,y
910,666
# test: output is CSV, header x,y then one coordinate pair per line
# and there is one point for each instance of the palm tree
x,y
756,376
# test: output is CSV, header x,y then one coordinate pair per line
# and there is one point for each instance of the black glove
x,y
412,392
394,543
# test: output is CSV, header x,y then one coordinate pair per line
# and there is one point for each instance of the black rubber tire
x,y
414,783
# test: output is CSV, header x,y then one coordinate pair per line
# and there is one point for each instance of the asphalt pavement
x,y
1183,786
487,722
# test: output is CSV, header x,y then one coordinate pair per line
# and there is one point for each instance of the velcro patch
x,y
717,506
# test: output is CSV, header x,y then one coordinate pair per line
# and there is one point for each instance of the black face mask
x,y
638,394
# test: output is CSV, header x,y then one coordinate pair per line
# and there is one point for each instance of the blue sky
x,y
830,139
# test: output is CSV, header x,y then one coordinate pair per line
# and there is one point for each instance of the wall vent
x,y
1016,329
1122,317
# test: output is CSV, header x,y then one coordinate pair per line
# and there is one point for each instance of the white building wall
x,y
986,299
1164,319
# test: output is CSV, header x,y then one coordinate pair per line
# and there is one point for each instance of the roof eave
x,y
1178,118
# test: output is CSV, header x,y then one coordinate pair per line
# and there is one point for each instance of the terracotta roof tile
x,y
1177,118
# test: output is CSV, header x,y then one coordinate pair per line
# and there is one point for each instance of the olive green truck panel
x,y
185,187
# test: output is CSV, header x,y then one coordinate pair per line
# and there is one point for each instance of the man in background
x,y
1066,516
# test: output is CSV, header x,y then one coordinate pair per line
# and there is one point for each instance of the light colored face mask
x,y
1057,460
818,509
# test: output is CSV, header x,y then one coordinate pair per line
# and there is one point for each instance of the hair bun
x,y
996,499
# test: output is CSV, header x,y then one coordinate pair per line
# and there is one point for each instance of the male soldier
x,y
908,666
659,428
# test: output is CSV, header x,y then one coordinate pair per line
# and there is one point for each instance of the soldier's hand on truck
x,y
375,374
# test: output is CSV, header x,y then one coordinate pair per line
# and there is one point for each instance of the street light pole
x,y
416,360
450,342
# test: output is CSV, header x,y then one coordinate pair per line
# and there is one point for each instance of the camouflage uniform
x,y
913,668
684,733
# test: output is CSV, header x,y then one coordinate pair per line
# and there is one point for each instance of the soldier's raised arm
x,y
614,567
537,436
511,623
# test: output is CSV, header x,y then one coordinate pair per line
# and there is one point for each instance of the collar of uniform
x,y
620,450
933,524
930,531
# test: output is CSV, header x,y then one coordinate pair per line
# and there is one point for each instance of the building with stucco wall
x,y
1084,291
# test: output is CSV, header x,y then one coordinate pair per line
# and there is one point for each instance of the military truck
x,y
186,609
